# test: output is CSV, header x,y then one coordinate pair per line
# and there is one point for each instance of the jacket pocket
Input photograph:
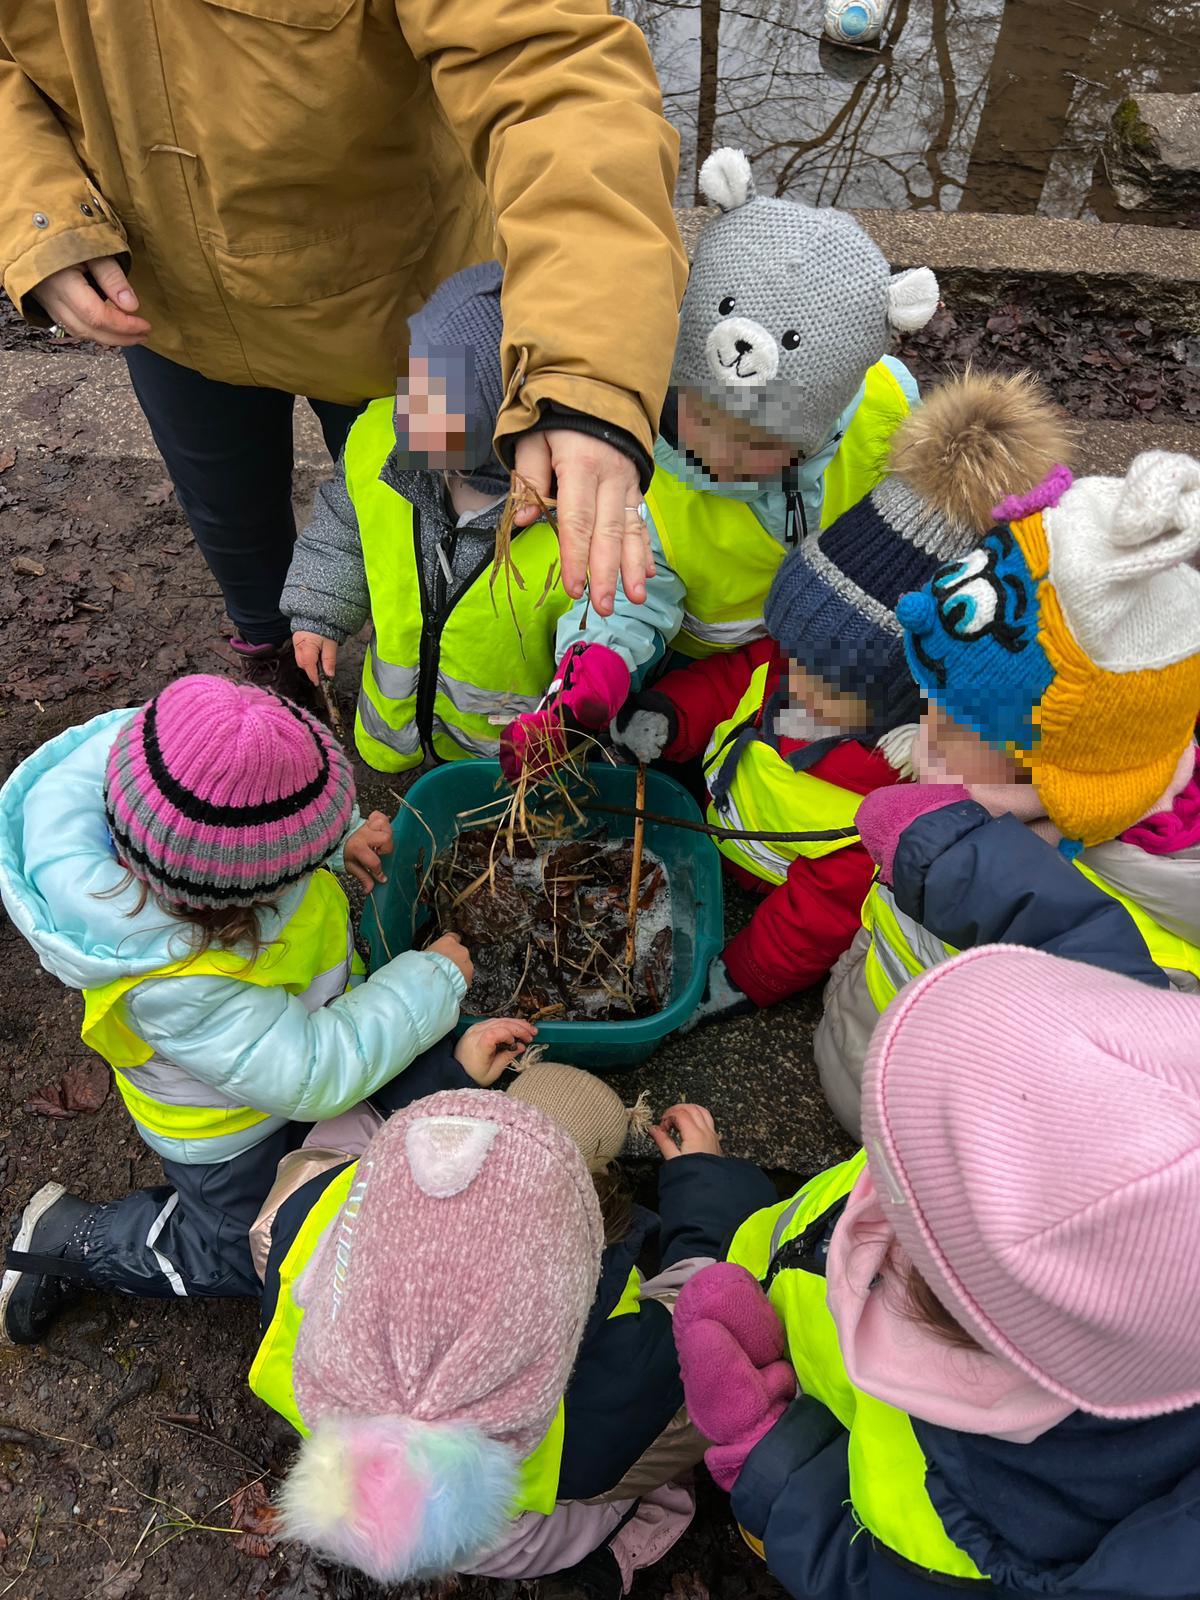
x,y
319,15
294,272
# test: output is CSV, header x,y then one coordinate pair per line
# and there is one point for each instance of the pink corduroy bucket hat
x,y
1032,1127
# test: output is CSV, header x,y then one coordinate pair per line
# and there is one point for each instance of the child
x,y
796,728
1059,805
976,1363
457,1325
168,863
785,403
405,533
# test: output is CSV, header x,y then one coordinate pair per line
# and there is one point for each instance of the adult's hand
x,y
69,299
599,531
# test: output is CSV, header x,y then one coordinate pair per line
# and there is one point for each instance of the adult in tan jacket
x,y
251,197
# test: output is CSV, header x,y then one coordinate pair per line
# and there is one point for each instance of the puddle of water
x,y
978,105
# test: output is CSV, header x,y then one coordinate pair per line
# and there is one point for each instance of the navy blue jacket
x,y
625,1388
1093,1510
973,879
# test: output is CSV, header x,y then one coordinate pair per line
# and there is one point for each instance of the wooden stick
x,y
325,683
635,876
714,832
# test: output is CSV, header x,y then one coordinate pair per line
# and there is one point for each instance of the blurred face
x,y
728,449
843,712
950,753
431,415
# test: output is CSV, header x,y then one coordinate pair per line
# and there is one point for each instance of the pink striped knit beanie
x,y
1033,1131
443,1310
221,794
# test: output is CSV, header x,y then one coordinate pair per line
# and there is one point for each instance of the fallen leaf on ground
x,y
8,458
122,581
250,1509
159,494
82,1088
118,1582
28,567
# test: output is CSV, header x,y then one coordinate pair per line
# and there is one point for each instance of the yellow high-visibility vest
x,y
901,948
313,957
767,796
887,1466
438,678
724,555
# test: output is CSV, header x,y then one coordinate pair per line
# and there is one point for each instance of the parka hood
x,y
60,879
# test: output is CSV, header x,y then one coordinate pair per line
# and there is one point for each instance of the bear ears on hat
x,y
727,181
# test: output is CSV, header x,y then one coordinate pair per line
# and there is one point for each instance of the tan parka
x,y
290,179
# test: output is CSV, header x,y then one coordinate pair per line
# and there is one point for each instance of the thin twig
x,y
818,837
37,1522
635,874
379,924
211,1438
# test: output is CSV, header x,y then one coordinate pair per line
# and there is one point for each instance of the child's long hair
x,y
204,928
918,1303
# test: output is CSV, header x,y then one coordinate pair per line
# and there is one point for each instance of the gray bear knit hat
x,y
462,318
786,308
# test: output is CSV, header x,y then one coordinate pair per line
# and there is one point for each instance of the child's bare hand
x,y
314,648
694,1128
451,945
363,849
490,1048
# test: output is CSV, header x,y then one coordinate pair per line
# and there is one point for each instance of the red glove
x,y
885,813
590,686
736,1378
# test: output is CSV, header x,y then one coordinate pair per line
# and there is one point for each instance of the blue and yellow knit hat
x,y
1070,637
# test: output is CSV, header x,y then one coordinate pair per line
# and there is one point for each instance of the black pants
x,y
189,1236
228,449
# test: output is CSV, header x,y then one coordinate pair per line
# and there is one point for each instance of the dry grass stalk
x,y
520,494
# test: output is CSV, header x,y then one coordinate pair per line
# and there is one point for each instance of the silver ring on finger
x,y
640,511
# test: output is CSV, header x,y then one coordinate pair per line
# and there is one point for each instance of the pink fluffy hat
x,y
443,1310
1033,1131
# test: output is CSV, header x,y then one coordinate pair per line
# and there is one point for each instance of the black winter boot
x,y
596,1577
51,1228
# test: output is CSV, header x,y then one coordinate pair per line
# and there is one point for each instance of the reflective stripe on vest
x,y
491,654
887,1466
724,556
271,1371
901,948
312,958
767,796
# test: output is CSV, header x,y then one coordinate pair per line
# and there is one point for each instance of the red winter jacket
x,y
804,923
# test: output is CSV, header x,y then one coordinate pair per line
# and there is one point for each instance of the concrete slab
x,y
977,255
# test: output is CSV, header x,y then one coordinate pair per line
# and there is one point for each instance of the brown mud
x,y
547,928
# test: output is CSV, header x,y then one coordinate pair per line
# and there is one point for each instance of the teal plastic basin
x,y
693,870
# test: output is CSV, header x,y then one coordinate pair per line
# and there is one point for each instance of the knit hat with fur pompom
x,y
442,1313
972,441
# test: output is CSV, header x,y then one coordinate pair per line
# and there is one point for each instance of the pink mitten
x,y
736,1378
885,813
591,685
